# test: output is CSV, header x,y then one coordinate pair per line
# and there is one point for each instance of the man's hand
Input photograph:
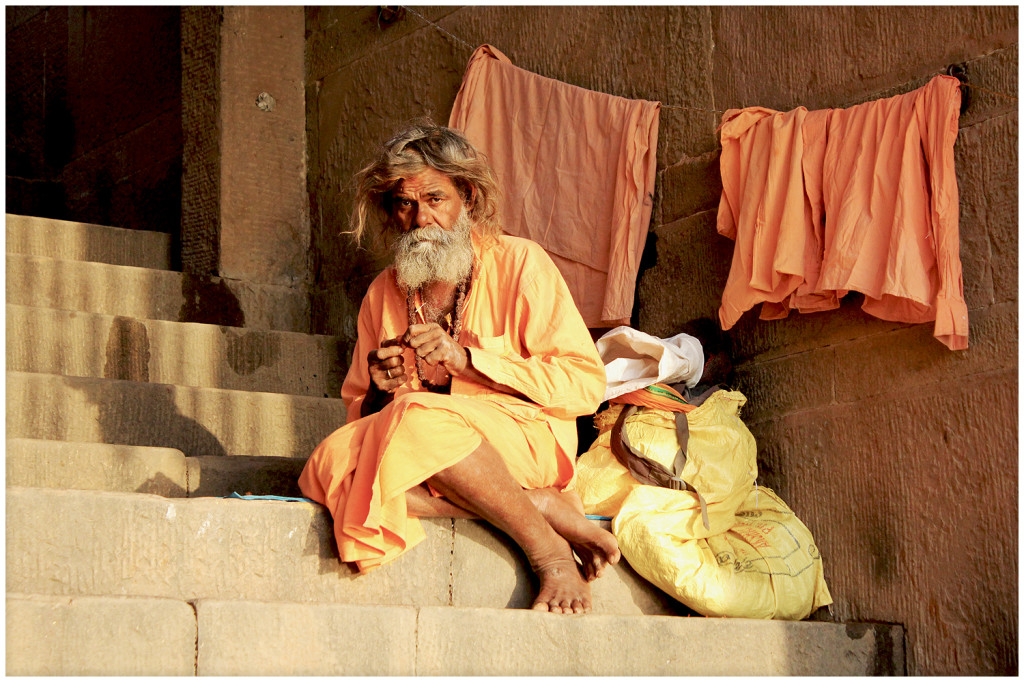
x,y
387,368
387,373
433,344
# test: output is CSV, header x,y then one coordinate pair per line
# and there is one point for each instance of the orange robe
x,y
522,330
862,199
576,169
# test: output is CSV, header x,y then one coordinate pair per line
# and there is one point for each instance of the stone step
x,y
99,636
135,469
147,294
86,344
75,542
300,639
196,421
146,636
86,242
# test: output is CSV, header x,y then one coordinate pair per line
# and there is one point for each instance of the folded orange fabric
x,y
576,169
657,396
861,199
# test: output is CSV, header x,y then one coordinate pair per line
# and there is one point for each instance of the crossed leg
x,y
481,486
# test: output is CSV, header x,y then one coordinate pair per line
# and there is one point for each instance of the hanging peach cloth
x,y
523,331
576,169
864,199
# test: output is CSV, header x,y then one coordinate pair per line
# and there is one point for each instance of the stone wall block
x,y
200,114
691,186
266,638
36,56
339,36
999,148
821,57
686,282
72,542
16,16
335,313
975,249
197,421
263,202
996,72
96,466
766,339
99,636
492,642
124,69
938,552
790,384
910,357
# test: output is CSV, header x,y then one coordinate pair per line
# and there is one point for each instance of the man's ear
x,y
469,197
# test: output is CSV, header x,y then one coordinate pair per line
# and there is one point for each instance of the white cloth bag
x,y
634,360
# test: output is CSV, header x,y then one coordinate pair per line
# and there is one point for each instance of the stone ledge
x,y
197,421
84,344
148,294
87,242
99,636
73,542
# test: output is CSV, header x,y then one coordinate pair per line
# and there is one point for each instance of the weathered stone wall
x,y
900,455
94,115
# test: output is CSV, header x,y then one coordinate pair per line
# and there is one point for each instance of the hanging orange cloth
x,y
576,170
861,199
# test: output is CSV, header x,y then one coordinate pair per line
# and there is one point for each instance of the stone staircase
x,y
132,411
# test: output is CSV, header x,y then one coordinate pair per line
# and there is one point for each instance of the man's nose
x,y
421,218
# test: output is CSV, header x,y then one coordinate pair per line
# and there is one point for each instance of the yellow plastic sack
x,y
757,560
764,566
721,459
601,482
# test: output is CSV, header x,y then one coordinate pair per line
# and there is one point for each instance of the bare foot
x,y
596,547
561,588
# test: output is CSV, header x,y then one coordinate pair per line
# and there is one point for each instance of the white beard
x,y
434,254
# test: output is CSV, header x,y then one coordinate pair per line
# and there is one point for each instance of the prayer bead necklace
x,y
454,328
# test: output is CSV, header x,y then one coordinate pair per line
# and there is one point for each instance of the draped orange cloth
x,y
864,199
576,170
523,331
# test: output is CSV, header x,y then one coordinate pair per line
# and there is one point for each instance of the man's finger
x,y
381,354
418,331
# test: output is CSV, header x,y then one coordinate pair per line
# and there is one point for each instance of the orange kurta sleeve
x,y
938,109
553,360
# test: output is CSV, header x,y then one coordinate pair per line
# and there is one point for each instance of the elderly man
x,y
470,367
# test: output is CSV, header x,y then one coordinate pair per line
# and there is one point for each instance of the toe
x,y
540,606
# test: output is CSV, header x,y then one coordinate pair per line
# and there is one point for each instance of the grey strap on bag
x,y
650,472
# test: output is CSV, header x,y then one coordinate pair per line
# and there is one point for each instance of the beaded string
x,y
454,330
